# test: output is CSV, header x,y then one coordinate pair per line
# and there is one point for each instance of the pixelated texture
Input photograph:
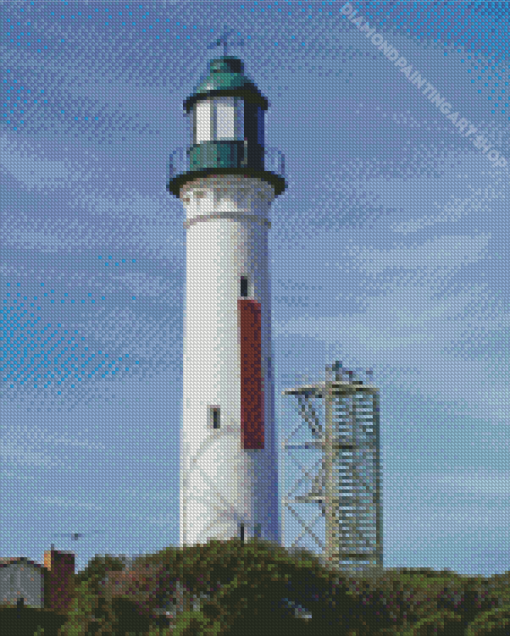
x,y
389,249
252,395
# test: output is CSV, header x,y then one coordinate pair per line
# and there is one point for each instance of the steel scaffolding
x,y
345,481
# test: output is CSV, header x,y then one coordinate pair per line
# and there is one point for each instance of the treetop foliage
x,y
255,587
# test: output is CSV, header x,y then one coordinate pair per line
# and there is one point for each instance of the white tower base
x,y
227,489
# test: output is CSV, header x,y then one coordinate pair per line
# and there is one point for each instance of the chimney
x,y
59,579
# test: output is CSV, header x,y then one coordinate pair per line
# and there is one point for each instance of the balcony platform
x,y
226,157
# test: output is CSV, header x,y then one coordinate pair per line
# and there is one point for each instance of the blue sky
x,y
389,250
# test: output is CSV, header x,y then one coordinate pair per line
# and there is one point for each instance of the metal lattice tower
x,y
345,481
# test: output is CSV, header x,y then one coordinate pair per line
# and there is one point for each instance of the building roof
x,y
6,561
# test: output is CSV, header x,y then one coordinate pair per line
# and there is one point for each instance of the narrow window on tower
x,y
214,416
241,532
244,286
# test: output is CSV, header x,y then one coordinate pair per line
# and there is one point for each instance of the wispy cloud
x,y
46,235
481,200
34,446
477,482
37,435
33,170
61,502
450,337
14,452
442,254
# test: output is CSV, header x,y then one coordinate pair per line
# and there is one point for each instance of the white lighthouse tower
x,y
229,469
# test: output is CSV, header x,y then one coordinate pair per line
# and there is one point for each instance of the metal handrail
x,y
274,161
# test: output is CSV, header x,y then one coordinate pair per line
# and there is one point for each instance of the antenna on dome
x,y
223,40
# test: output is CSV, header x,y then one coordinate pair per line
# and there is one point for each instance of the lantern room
x,y
226,122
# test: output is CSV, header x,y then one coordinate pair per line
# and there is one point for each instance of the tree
x,y
90,611
83,616
445,622
494,622
232,579
98,568
252,588
192,623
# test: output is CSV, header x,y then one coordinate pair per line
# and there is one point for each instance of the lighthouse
x,y
229,462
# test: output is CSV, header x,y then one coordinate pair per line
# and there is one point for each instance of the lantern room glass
x,y
219,118
202,120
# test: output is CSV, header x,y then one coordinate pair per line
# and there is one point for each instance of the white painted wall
x,y
22,579
222,484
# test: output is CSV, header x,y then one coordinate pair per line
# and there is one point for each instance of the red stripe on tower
x,y
252,396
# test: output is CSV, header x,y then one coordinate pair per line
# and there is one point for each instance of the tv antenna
x,y
76,535
223,40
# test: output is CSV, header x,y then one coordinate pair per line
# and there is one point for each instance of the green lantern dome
x,y
226,78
